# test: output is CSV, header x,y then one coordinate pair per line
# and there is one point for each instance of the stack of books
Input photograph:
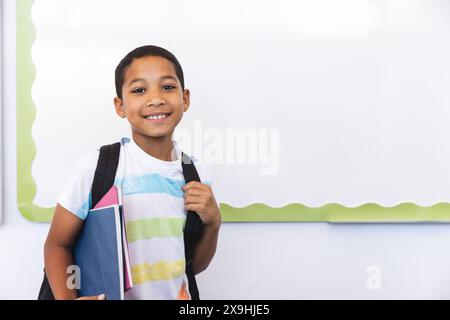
x,y
101,251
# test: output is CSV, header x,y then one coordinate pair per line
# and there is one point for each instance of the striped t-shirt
x,y
153,205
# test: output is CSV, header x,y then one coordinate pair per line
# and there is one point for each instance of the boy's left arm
x,y
199,197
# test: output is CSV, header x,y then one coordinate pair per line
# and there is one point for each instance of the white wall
x,y
1,111
253,261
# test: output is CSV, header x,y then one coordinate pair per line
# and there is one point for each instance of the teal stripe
x,y
154,228
151,183
82,212
148,183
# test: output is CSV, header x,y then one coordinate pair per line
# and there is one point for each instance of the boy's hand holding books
x,y
199,197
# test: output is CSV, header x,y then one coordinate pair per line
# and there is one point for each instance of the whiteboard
x,y
305,110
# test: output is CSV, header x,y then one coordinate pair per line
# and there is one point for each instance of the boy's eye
x,y
168,87
138,90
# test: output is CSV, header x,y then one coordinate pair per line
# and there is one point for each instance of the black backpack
x,y
103,181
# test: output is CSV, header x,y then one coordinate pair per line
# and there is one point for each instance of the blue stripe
x,y
82,212
148,183
151,183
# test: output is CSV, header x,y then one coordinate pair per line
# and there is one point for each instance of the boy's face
x,y
152,98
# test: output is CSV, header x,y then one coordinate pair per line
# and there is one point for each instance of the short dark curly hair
x,y
140,52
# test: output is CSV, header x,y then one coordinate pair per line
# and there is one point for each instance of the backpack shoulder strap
x,y
105,172
193,228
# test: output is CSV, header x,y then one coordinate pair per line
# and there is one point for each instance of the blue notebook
x,y
99,254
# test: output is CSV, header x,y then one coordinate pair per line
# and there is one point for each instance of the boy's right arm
x,y
63,233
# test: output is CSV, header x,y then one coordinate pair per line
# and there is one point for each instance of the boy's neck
x,y
159,148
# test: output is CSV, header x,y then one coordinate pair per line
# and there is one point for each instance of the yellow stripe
x,y
163,270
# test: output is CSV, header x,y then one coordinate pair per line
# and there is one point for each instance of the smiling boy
x,y
152,97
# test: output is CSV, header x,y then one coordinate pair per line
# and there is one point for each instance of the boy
x,y
151,95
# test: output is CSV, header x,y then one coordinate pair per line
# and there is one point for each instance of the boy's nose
x,y
155,101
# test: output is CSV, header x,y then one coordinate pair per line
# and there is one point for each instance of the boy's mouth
x,y
157,117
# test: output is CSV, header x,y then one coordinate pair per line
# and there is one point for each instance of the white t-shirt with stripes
x,y
153,205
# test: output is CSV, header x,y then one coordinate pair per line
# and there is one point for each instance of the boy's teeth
x,y
156,117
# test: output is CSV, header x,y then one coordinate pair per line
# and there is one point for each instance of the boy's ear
x,y
118,103
186,99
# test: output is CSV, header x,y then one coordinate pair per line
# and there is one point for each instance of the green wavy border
x,y
25,114
257,212
333,212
